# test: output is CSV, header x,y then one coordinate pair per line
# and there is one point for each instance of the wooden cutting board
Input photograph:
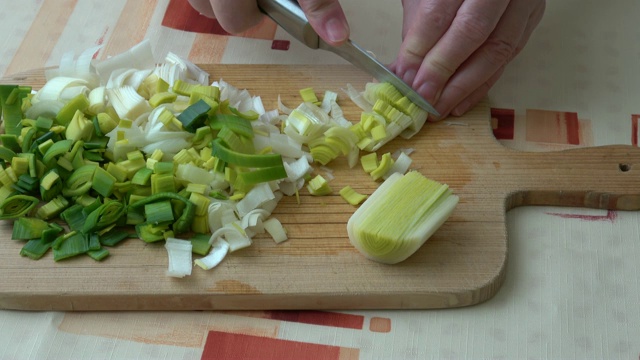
x,y
317,268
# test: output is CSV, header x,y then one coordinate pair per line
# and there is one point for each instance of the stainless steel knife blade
x,y
288,15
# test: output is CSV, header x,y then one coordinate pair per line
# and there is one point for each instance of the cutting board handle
x,y
603,177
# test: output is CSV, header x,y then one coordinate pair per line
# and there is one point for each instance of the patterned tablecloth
x,y
572,288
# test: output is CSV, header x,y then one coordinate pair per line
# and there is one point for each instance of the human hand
x,y
235,16
454,51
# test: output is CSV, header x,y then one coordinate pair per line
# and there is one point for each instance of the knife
x,y
288,15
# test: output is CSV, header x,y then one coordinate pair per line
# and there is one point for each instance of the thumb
x,y
327,19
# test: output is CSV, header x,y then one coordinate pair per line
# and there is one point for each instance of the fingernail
x,y
408,76
336,30
429,92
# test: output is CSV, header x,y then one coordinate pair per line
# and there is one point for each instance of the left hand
x,y
454,51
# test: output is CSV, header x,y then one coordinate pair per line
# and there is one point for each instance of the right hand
x,y
235,16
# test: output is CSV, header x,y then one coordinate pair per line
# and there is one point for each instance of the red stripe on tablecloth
x,y
323,318
222,346
611,216
573,128
42,37
505,126
634,129
181,16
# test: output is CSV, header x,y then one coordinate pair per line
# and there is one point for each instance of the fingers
x,y
203,7
327,19
235,16
424,23
473,24
483,69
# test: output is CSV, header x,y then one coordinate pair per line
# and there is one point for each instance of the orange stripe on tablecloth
x,y
131,27
222,346
208,48
45,30
185,329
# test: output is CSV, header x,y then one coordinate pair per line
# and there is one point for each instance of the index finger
x,y
236,16
472,25
327,19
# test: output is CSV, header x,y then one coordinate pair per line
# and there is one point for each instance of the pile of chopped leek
x,y
128,148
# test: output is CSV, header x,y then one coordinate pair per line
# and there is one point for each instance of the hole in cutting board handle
x,y
624,167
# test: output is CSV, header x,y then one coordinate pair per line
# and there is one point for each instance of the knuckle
x,y
475,27
499,51
439,19
442,67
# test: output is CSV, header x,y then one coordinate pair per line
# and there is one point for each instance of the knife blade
x,y
288,15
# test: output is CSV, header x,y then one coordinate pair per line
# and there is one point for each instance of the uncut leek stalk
x,y
400,216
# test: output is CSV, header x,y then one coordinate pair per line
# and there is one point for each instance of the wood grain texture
x,y
462,264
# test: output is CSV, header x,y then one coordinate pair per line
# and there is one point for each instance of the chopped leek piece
x,y
194,116
399,217
275,229
70,246
386,162
150,233
369,162
113,237
35,249
319,186
159,212
351,196
98,254
219,249
179,257
200,244
308,95
16,206
27,228
222,152
105,215
236,124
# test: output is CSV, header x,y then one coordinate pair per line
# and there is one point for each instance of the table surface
x,y
571,289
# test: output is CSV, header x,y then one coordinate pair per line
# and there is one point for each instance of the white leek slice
x,y
285,146
234,235
400,165
127,102
191,70
290,188
216,210
328,99
76,68
219,250
46,108
179,251
257,196
53,88
192,174
140,56
72,91
399,217
358,98
282,107
275,229
97,100
297,169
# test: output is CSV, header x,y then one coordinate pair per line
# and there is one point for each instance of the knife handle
x,y
289,15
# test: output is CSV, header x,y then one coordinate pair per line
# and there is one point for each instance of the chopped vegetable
x,y
120,144
351,196
399,217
